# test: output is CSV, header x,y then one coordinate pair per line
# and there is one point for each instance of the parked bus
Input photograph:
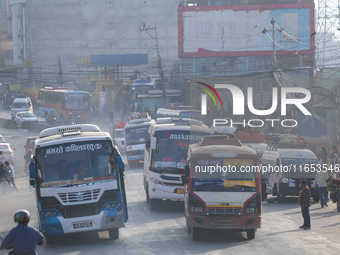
x,y
165,156
135,135
78,177
64,103
218,195
171,113
141,86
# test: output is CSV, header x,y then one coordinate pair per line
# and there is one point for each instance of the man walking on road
x,y
321,185
304,201
11,175
2,157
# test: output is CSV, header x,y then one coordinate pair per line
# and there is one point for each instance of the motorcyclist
x,y
22,238
52,117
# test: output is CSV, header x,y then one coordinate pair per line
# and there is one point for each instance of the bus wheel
x,y
153,204
275,190
195,234
49,239
250,234
114,234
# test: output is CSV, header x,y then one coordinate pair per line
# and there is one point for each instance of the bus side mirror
x,y
153,144
120,163
33,171
184,179
32,182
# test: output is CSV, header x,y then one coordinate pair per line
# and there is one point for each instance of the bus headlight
x,y
48,213
108,206
54,213
196,209
113,205
42,213
250,210
155,181
119,204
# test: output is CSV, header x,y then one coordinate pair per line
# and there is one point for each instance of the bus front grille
x,y
224,210
70,197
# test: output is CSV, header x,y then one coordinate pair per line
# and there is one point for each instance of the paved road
x,y
164,231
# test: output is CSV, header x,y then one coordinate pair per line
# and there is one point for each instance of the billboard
x,y
236,30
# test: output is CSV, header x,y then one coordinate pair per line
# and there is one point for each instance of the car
x,y
23,119
21,104
8,152
2,139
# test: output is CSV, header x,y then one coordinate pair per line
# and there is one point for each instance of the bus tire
x,y
114,233
275,190
50,239
195,234
153,204
251,234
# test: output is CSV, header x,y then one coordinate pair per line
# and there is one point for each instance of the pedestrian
x,y
323,154
2,157
11,175
304,201
321,184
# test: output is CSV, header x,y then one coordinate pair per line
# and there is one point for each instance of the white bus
x,y
78,177
135,136
165,157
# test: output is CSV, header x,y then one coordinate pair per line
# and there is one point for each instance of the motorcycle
x,y
53,121
74,120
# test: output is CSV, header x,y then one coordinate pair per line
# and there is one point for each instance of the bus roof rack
x,y
179,121
69,129
220,140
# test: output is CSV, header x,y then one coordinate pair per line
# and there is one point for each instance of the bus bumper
x,y
165,192
135,159
224,222
103,221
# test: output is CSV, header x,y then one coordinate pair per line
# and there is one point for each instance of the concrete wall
x,y
75,29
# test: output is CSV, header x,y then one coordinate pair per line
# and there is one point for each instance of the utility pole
x,y
159,61
265,31
60,73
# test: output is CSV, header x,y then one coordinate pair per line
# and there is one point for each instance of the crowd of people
x,y
6,174
7,97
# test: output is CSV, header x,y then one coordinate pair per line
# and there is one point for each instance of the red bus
x,y
222,187
63,102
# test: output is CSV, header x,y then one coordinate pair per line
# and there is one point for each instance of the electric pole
x,y
60,73
265,31
159,61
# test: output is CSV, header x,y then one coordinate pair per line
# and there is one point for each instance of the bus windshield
x,y
119,133
136,135
173,147
78,102
299,170
76,163
228,175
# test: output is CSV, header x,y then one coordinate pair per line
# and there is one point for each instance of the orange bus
x,y
222,187
64,103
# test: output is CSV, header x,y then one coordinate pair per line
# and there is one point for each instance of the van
x,y
21,105
288,166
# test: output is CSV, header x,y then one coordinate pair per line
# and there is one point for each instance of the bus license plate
x,y
180,191
224,220
83,225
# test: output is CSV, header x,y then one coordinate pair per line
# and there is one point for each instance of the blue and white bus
x,y
141,86
78,177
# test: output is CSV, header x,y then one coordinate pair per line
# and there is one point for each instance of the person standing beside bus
x,y
304,201
321,185
11,175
